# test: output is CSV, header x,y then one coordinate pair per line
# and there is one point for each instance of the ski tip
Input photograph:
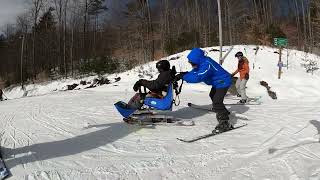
x,y
189,104
240,125
182,140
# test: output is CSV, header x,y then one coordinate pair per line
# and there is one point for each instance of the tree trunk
x,y
304,26
310,29
209,22
150,30
256,10
229,22
71,51
85,31
297,21
64,39
37,4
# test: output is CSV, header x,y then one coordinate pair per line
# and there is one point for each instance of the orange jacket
x,y
243,68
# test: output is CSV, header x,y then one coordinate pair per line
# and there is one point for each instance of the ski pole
x,y
5,96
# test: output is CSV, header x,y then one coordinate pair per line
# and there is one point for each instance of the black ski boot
x,y
224,125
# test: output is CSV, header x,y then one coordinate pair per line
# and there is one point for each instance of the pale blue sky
x,y
10,9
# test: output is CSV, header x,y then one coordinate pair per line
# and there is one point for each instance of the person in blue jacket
x,y
206,70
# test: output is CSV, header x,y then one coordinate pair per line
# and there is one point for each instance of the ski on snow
x,y
156,119
250,99
214,133
209,134
250,103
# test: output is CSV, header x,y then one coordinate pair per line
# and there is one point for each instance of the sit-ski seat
x,y
163,104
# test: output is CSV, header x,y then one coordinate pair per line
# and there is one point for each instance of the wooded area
x,y
66,38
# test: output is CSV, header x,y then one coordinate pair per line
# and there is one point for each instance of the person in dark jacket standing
x,y
157,87
210,72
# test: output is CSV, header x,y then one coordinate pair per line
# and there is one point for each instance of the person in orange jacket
x,y
243,69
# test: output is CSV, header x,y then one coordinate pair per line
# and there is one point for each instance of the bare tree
x,y
37,6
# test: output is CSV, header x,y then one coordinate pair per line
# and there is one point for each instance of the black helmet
x,y
163,65
239,54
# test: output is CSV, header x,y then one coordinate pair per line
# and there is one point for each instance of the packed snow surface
x,y
79,135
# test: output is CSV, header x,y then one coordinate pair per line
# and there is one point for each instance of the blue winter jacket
x,y
207,71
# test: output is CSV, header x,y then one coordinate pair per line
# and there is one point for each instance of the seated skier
x,y
157,87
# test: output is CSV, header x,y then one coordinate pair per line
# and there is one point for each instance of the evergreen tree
x,y
46,23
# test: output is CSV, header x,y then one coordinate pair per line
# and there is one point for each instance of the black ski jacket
x,y
161,83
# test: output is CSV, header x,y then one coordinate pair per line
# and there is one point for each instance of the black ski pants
x,y
217,97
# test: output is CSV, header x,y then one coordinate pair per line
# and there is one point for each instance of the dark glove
x,y
137,85
246,76
180,76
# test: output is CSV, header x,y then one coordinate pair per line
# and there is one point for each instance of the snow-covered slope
x,y
294,83
79,134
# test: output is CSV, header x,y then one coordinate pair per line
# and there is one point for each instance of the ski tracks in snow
x,y
290,144
275,145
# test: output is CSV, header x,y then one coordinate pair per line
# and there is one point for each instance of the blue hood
x,y
196,55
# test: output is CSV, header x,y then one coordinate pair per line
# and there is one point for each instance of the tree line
x,y
68,38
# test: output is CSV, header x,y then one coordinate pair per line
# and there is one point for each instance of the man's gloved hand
x,y
246,76
180,76
137,85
